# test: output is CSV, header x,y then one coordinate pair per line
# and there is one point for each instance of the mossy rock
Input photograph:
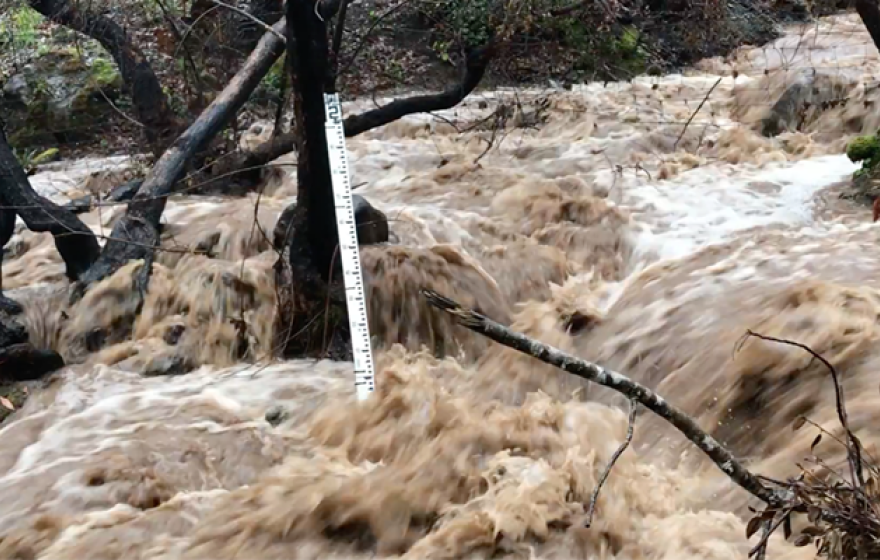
x,y
59,97
866,180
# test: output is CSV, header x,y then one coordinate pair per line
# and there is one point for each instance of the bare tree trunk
x,y
312,317
75,242
870,14
151,106
135,235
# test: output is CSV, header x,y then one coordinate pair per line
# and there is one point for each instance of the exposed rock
x,y
11,332
19,359
372,224
804,95
58,93
24,362
276,415
865,187
168,364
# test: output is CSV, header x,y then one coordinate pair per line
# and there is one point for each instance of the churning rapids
x,y
603,230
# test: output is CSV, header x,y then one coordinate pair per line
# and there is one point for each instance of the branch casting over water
x,y
723,458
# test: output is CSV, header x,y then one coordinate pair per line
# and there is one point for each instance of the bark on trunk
x,y
135,235
312,316
870,14
75,242
151,105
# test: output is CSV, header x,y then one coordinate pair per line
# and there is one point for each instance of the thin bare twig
x,y
254,19
694,114
722,458
854,454
633,408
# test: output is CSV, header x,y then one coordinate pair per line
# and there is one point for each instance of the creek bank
x,y
44,82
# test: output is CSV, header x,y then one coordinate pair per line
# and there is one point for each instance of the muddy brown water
x,y
607,231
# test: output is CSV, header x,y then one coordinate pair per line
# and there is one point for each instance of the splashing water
x,y
601,225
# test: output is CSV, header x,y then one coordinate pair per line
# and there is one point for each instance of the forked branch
x,y
723,458
475,68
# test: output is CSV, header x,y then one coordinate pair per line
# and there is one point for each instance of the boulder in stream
x,y
800,96
58,96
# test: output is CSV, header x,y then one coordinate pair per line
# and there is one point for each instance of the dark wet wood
x,y
136,235
75,242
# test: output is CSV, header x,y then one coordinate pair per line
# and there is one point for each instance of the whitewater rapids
x,y
600,224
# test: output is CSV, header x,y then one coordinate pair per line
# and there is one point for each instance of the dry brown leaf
x,y
6,403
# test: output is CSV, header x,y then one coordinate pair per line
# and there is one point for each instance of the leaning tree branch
x,y
723,458
476,64
136,233
475,68
74,240
150,103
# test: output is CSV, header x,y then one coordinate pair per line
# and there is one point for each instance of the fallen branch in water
x,y
633,408
723,458
844,515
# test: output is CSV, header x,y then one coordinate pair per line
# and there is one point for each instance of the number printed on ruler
x,y
364,376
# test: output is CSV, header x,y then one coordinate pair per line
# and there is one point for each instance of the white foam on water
x,y
710,205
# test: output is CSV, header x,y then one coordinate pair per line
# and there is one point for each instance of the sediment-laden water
x,y
600,224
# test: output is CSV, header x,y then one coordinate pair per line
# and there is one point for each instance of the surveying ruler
x,y
355,297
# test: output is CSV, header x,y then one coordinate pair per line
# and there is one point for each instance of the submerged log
x,y
24,362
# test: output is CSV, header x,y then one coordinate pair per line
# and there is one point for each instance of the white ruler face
x,y
364,377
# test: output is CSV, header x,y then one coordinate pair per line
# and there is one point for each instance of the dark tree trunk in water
x,y
7,228
151,106
312,317
136,235
75,242
870,14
